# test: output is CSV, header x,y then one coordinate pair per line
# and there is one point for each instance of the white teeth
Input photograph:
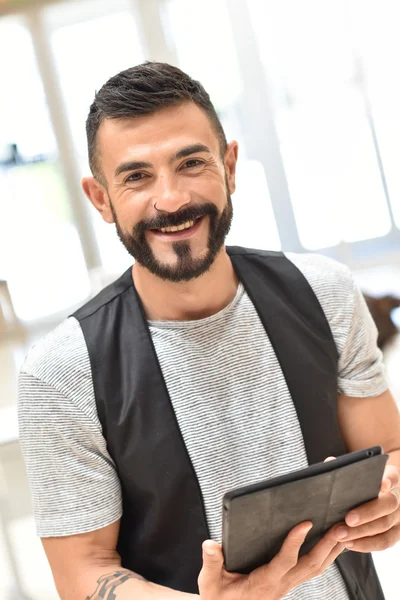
x,y
186,225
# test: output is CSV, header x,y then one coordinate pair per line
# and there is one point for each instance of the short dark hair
x,y
143,90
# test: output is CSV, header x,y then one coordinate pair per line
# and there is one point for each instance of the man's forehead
x,y
164,130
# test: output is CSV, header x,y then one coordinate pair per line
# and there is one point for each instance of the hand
x,y
376,524
274,580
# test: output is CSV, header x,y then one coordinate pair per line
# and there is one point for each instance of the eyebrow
x,y
182,153
131,165
192,149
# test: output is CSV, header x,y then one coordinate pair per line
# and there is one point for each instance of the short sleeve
x,y
361,368
73,480
361,372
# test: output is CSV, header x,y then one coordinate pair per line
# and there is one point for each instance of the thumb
x,y
210,575
330,458
213,558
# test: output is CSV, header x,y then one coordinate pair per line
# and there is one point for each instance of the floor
x,y
32,566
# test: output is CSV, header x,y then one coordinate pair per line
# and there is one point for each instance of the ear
x,y
231,156
98,196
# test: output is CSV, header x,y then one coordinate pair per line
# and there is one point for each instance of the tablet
x,y
257,518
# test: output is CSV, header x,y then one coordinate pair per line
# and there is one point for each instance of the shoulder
x,y
332,283
63,347
61,361
322,273
329,279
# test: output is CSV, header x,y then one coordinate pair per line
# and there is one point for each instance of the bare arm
x,y
371,421
88,567
368,422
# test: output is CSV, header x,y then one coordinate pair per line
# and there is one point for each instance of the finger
x,y
288,555
305,576
314,560
211,573
386,504
346,534
330,458
391,478
376,542
338,549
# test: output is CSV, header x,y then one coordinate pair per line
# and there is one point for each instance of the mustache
x,y
190,213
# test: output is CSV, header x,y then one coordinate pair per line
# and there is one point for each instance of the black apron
x,y
164,523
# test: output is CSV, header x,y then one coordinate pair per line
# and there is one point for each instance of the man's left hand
x,y
376,524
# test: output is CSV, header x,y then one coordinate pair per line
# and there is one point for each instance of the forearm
x,y
109,583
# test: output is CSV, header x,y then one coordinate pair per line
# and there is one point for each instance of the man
x,y
200,370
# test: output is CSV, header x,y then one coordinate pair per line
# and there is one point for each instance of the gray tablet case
x,y
257,518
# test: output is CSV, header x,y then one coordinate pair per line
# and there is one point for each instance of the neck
x,y
189,300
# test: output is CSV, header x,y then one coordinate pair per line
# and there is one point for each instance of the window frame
x,y
255,108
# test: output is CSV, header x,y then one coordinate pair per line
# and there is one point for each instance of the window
x,y
322,120
378,42
41,255
106,41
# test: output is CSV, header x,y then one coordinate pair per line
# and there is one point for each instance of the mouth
x,y
178,232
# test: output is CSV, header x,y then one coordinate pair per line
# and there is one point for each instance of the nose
x,y
169,198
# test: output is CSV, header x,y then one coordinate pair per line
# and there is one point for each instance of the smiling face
x,y
168,189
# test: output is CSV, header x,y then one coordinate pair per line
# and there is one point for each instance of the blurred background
x,y
310,89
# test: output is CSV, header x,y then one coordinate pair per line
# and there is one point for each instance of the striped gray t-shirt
x,y
231,400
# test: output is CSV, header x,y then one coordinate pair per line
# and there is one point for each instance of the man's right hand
x,y
274,580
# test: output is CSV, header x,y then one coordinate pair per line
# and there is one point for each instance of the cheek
x,y
129,212
208,189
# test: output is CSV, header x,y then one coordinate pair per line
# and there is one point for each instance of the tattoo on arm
x,y
107,584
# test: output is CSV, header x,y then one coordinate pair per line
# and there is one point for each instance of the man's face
x,y
170,159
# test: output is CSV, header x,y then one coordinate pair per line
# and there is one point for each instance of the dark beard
x,y
187,267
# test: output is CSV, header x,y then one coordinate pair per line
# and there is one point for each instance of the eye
x,y
138,176
192,162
